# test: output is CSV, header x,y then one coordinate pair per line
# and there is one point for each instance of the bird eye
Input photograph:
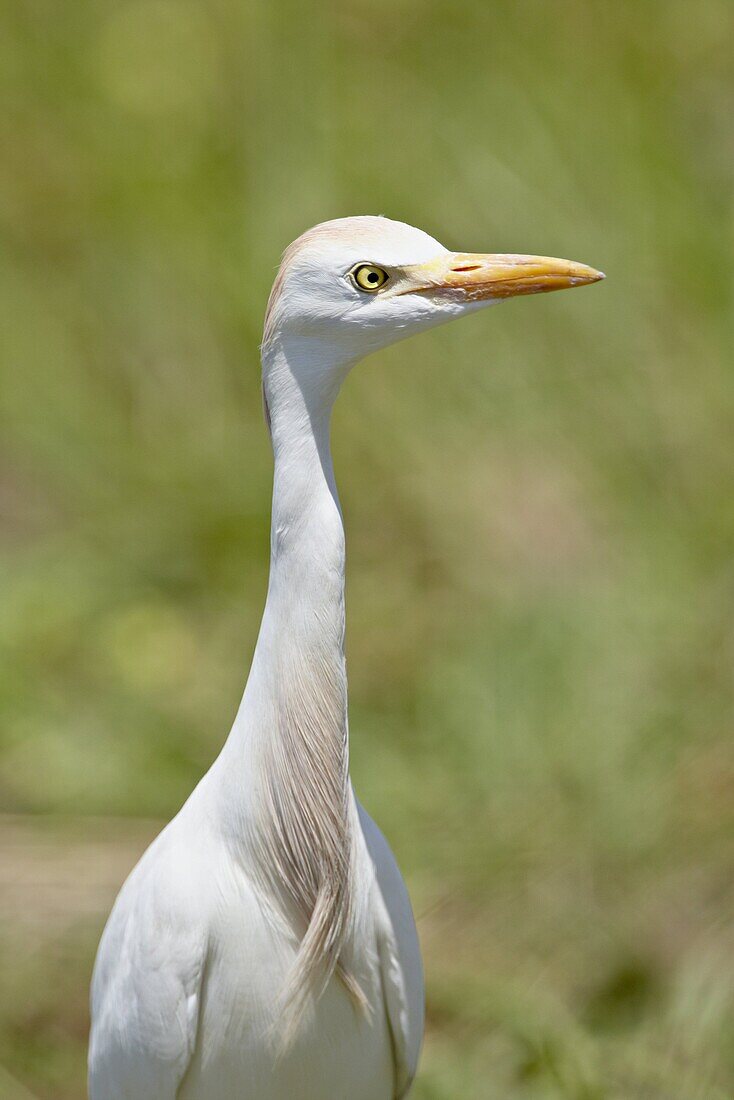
x,y
368,277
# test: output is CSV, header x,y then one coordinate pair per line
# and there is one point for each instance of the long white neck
x,y
287,758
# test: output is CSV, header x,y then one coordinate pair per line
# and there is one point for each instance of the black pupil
x,y
373,277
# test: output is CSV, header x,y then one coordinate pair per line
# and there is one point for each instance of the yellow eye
x,y
369,277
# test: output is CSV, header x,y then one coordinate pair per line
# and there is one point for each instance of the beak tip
x,y
589,275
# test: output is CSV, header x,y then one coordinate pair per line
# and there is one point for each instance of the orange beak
x,y
475,277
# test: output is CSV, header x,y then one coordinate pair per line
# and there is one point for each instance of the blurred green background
x,y
539,501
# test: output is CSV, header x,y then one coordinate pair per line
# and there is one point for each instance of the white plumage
x,y
264,947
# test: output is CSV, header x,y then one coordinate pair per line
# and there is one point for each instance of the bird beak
x,y
474,277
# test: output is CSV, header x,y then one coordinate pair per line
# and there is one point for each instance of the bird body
x,y
193,962
264,947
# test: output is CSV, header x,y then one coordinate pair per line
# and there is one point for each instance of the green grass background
x,y
539,500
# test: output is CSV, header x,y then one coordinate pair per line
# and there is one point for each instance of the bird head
x,y
351,286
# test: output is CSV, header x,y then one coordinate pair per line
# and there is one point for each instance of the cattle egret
x,y
264,946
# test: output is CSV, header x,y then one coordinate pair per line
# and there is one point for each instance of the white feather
x,y
264,948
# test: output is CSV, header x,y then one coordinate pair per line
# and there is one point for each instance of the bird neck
x,y
307,533
292,724
303,622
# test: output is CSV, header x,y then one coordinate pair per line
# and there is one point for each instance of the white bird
x,y
264,946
